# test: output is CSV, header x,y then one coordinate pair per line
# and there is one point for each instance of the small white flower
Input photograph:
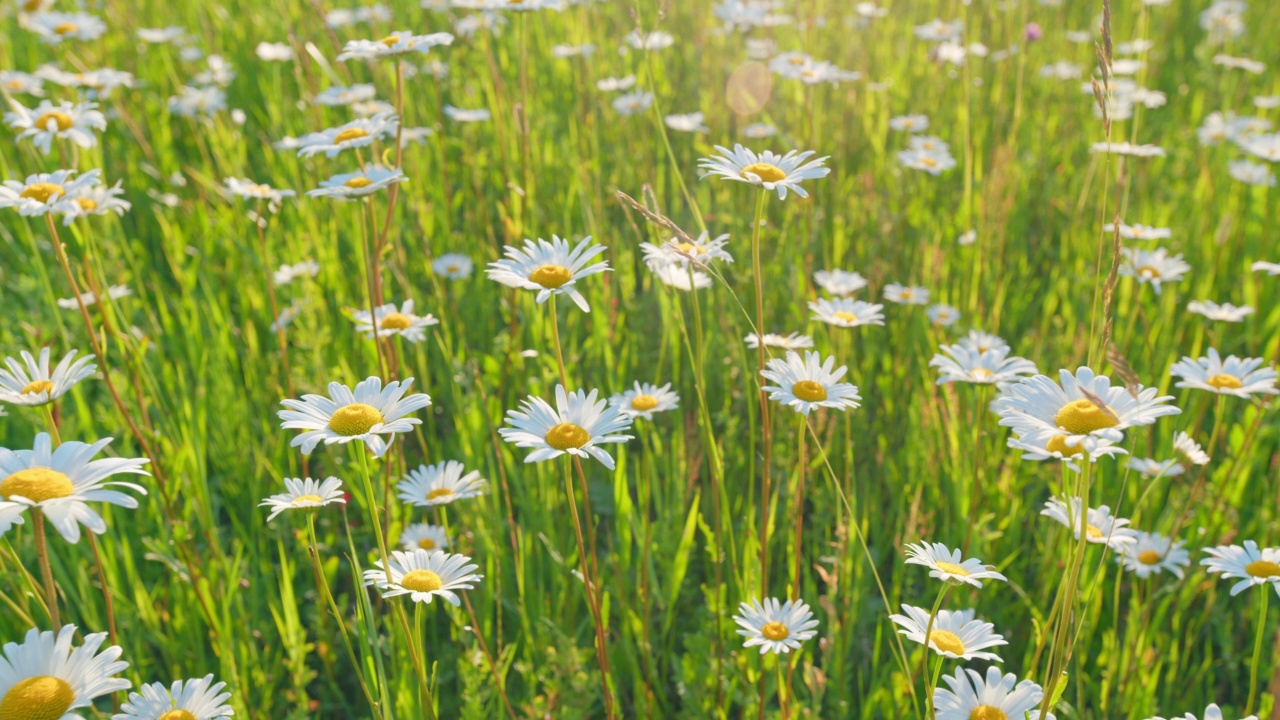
x,y
956,634
1100,526
767,170
701,251
1152,468
251,190
467,116
424,575
794,341
193,101
808,383
424,536
337,95
992,367
949,566
1153,267
1127,148
1269,268
1153,553
1189,449
47,192
388,320
909,123
942,314
453,266
1226,312
367,414
30,382
115,292
577,425
73,122
393,45
56,27
440,484
971,696
656,40
274,52
358,184
846,312
644,399
1139,232
1252,565
839,282
774,626
632,102
1252,173
305,494
691,122
906,294
197,699
682,278
1241,377
288,273
611,84
45,677
549,267
356,134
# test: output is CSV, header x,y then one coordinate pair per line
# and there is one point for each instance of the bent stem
x,y
313,551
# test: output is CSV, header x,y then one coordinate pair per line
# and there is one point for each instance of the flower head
x,y
805,384
45,677
644,399
30,382
389,320
371,414
197,699
781,173
440,484
775,626
549,267
305,494
1253,565
949,566
73,122
424,575
577,425
955,634
1235,376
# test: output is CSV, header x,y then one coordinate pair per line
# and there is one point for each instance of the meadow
x,y
426,340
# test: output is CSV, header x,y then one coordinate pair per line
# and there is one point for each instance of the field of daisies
x,y
610,359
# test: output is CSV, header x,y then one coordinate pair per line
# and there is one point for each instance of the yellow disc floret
x,y
551,276
42,192
644,402
567,436
61,119
809,391
775,631
37,484
947,641
1081,417
354,419
1224,381
765,171
42,697
421,581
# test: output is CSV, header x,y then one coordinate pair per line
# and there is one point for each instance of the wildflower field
x,y
637,359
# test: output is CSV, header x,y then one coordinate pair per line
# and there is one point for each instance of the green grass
x,y
208,586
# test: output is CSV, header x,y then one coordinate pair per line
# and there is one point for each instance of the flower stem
x,y
1257,648
765,490
373,510
930,680
602,650
313,551
50,587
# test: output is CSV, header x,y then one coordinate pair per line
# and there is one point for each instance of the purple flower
x,y
1033,32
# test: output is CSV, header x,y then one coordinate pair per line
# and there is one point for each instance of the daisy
x,y
31,383
393,45
274,52
17,82
424,536
691,122
942,314
359,183
424,575
1038,404
682,279
44,677
777,627
440,484
367,414
61,482
767,170
794,341
1212,712
759,131
949,566
55,27
576,425
114,292
549,267
286,317
809,383
1269,268
956,634
701,251
196,699
1154,553
632,102
839,282
1189,449
643,400
1156,468
611,84
355,134
452,266
73,122
993,367
95,200
1127,148
305,494
1241,377
972,697
251,190
1101,527
656,40
342,95
1051,445
46,192
1152,266
909,123
388,321
1226,312
981,342
288,273
193,101
934,162
1139,232
906,294
1253,566
1251,173
846,312
467,116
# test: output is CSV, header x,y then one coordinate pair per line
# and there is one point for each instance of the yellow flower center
x,y
87,204
42,191
358,182
178,714
567,436
62,119
389,40
1081,417
64,28
42,697
307,499
644,402
987,712
451,268
395,321
775,631
809,391
439,493
32,5
14,84
354,419
765,171
427,544
952,568
796,60
1146,271
928,161
1093,532
37,485
846,316
37,386
980,373
354,133
1058,444
421,581
1148,557
691,249
1223,380
551,276
947,641
1263,569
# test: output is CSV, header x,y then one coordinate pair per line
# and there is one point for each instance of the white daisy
x,y
453,266
1038,404
777,627
549,267
1241,377
336,95
45,677
1212,712
17,82
359,183
690,122
1153,553
993,367
161,36
1054,445
846,312
193,101
949,566
956,634
274,52
793,341
809,383
367,414
611,84
46,192
1152,267
906,294
632,102
909,123
74,122
62,481
934,162
1226,312
1189,449
701,251
424,536
30,382
95,200
839,282
355,134
577,425
440,484
56,27
1101,527
196,699
393,45
114,292
467,116
1127,148
767,170
1251,173
644,399
1139,232
288,273
682,278
759,131
1252,565
305,494
980,342
388,320
251,190
656,40
1152,468
424,575
942,314
973,698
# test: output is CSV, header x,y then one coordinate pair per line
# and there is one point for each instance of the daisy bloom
x,y
1152,266
95,200
767,170
777,627
549,267
393,45
1212,712
690,122
193,101
1188,448
909,123
1055,445
288,273
1156,468
972,697
1127,148
424,575
682,278
342,95
643,400
1252,565
61,482
1153,553
1225,312
611,84
45,677
251,190
197,699
949,566
992,367
656,40
31,383
980,342
809,383
1101,527
388,320
839,282
846,312
355,134
440,484
305,494
452,266
114,292
576,425
1269,268
358,184
367,414
956,634
55,27
632,102
1039,404
274,52
1139,232
942,314
424,536
1236,376
794,341
73,122
46,192
467,116
701,251
906,294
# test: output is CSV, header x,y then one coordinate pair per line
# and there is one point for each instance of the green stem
x,y
1257,648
